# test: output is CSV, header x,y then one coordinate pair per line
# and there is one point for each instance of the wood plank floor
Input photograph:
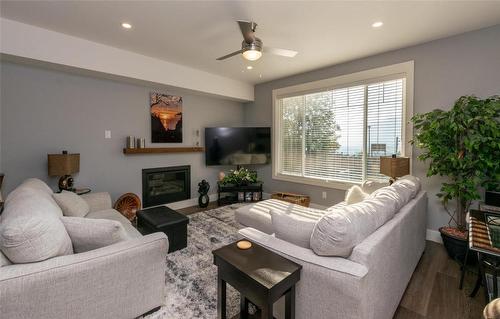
x,y
432,292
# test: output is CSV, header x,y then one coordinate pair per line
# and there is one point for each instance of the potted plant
x,y
240,177
462,144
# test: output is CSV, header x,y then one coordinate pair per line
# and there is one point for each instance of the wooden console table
x,y
232,193
159,150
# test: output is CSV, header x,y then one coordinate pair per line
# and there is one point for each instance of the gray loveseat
x,y
122,280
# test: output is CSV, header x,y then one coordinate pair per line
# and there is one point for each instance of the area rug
x,y
191,277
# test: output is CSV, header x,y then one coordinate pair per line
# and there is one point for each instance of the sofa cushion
x,y
4,261
371,186
71,204
28,202
258,215
355,195
89,234
37,184
410,183
399,193
26,239
293,228
115,215
339,231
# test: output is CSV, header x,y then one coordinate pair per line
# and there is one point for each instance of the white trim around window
x,y
403,71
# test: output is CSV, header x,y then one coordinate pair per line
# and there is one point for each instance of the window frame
x,y
403,70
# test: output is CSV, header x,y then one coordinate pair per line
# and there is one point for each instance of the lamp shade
x,y
394,166
63,164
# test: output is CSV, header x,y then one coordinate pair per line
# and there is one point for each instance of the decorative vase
x,y
203,199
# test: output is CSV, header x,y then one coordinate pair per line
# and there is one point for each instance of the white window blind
x,y
340,134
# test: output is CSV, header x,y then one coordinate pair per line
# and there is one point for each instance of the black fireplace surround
x,y
165,185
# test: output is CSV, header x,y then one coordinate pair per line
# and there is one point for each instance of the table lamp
x,y
394,167
64,165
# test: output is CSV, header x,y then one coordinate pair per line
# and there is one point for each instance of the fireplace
x,y
165,185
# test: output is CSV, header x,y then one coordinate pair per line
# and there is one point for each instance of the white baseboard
x,y
189,202
434,235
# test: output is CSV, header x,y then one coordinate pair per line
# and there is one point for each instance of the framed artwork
x,y
166,118
256,196
241,196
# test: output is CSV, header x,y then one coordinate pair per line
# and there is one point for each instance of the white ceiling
x,y
195,33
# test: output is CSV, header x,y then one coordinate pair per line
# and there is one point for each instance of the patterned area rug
x,y
191,277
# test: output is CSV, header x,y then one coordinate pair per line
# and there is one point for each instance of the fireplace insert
x,y
165,185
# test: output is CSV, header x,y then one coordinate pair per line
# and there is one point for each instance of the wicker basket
x,y
298,199
128,204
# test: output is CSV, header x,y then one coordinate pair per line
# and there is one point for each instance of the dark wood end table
x,y
167,220
260,275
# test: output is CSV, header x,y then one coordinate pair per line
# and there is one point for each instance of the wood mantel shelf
x,y
158,150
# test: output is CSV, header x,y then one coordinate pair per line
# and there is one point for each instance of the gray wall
x,y
444,70
46,111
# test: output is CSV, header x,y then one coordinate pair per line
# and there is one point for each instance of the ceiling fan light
x,y
252,55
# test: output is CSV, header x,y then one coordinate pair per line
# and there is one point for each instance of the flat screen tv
x,y
237,145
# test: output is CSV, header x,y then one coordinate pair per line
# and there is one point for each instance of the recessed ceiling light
x,y
260,75
377,24
249,67
126,25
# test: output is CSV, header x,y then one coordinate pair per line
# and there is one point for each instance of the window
x,y
334,136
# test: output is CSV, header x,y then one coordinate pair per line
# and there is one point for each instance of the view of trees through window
x,y
325,135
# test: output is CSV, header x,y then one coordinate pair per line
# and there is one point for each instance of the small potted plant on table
x,y
462,144
240,177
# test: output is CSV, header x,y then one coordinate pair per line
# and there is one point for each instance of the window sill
x,y
315,182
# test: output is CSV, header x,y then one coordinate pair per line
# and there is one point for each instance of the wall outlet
x,y
323,195
107,134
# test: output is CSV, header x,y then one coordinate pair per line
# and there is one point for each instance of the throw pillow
x,y
89,234
71,204
339,231
295,229
27,239
355,195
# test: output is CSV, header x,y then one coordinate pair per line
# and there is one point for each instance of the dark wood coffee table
x,y
167,220
260,275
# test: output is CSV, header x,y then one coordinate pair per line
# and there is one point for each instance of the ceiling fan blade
x,y
281,52
247,30
229,55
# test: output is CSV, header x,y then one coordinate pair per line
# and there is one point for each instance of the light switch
x,y
107,134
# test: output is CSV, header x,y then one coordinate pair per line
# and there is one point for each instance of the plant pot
x,y
455,243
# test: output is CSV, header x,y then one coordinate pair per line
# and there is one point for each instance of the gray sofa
x,y
369,282
122,280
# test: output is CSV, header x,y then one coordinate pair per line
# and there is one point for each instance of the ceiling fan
x,y
252,47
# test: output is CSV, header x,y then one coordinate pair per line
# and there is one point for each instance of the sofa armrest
x,y
123,280
329,287
98,201
303,254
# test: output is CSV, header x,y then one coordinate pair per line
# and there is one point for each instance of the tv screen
x,y
237,145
